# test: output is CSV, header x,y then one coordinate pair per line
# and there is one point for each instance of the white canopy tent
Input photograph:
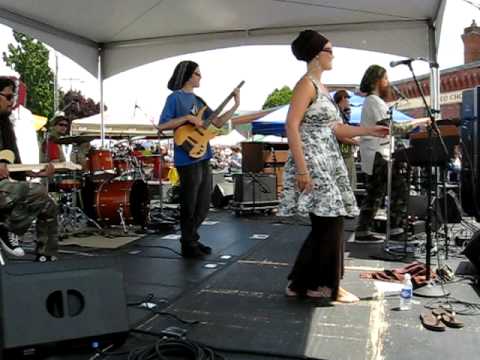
x,y
131,33
110,36
115,125
231,139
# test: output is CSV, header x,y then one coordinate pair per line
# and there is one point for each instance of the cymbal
x,y
78,139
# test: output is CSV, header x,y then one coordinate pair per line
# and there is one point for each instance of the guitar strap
x,y
204,103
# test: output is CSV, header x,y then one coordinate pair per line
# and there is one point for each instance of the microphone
x,y
401,62
431,63
397,92
410,60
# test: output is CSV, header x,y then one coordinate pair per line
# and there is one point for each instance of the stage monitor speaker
x,y
454,209
255,188
472,251
222,194
63,304
417,208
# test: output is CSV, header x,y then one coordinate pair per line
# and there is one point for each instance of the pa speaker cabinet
x,y
64,303
255,188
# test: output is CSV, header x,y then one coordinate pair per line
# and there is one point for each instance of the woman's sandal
x,y
448,317
432,321
346,297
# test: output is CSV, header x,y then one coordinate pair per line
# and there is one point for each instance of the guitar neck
x,y
220,108
39,167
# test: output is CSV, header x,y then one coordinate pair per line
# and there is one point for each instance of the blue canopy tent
x,y
274,123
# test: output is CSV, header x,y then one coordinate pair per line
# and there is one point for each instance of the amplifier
x,y
255,188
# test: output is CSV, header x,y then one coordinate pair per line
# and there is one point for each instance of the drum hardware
x,y
71,217
122,220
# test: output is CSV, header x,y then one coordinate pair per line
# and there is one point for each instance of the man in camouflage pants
x,y
21,202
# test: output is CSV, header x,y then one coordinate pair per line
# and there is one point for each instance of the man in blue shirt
x,y
182,107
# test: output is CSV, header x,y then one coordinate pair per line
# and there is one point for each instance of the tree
x,y
29,58
76,106
278,97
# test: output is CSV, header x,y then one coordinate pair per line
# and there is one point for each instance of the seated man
x,y
21,202
58,127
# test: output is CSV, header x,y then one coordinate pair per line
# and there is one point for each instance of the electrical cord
x,y
149,298
176,317
164,247
199,348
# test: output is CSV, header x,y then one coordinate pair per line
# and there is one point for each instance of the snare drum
x,y
100,162
129,197
66,182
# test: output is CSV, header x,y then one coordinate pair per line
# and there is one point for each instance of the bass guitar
x,y
194,140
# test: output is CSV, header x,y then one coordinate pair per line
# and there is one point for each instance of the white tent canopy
x,y
231,139
115,125
131,33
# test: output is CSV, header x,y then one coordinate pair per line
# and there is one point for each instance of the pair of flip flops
x,y
439,318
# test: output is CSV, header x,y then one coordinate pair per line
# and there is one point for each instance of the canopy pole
x,y
100,84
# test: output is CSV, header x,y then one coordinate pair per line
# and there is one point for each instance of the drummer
x,y
50,150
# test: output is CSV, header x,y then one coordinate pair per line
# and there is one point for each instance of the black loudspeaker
x,y
222,194
255,188
470,134
417,208
64,304
472,251
454,209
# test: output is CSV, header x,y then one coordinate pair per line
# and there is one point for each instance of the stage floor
x,y
239,301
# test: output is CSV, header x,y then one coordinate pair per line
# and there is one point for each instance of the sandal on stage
x,y
432,322
448,317
346,297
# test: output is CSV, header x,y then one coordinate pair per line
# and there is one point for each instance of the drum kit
x,y
112,188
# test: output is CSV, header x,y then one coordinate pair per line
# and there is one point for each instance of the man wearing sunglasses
x,y
51,151
21,202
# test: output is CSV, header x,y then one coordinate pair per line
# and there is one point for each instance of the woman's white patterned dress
x,y
331,195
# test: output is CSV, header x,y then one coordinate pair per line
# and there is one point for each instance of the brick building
x,y
452,81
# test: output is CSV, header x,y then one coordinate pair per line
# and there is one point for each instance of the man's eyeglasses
x,y
8,97
62,124
328,50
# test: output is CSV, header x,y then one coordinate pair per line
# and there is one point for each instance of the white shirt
x,y
373,110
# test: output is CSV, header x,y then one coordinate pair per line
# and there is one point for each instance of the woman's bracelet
x,y
301,174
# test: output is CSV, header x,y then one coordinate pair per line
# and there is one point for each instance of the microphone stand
x,y
430,289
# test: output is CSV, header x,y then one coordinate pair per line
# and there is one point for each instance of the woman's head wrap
x,y
308,44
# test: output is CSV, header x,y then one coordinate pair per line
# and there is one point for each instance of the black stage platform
x,y
239,301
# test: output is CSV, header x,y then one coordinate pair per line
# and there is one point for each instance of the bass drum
x,y
110,198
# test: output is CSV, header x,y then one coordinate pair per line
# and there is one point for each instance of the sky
x,y
264,68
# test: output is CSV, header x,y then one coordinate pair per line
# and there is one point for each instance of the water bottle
x,y
406,293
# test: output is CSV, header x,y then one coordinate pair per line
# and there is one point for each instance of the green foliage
x,y
278,97
29,58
